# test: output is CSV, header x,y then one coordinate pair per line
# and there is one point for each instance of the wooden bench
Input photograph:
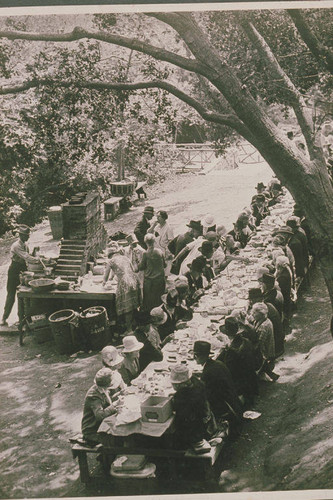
x,y
80,451
111,207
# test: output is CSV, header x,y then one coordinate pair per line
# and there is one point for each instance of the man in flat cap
x,y
20,256
143,225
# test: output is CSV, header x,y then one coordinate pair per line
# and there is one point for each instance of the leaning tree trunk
x,y
307,180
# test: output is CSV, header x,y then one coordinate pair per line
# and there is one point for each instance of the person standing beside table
x,y
128,294
143,225
20,257
153,265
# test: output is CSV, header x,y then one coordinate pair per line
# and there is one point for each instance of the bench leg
x,y
83,466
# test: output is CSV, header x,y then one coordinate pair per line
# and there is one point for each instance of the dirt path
x,y
42,392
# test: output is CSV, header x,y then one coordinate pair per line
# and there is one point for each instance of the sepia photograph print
x,y
166,251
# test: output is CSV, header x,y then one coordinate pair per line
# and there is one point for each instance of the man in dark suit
x,y
220,388
143,225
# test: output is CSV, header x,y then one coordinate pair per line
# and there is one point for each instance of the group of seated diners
x,y
208,402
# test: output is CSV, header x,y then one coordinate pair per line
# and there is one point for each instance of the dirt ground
x,y
290,447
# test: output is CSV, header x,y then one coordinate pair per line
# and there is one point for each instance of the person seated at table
x,y
97,406
275,191
196,281
283,276
256,296
271,294
239,358
128,294
149,337
242,231
264,329
130,369
220,388
112,359
183,311
207,251
259,208
193,419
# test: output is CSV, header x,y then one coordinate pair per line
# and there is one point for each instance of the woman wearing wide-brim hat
x,y
20,256
130,369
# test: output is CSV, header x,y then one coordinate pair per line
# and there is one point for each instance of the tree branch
x,y
322,53
130,43
294,96
230,120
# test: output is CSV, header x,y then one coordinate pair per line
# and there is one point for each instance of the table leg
x,y
20,310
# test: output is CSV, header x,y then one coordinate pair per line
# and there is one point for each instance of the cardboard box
x,y
156,409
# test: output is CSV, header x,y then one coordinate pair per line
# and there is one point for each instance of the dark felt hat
x,y
206,246
24,229
260,185
195,224
202,348
284,230
255,294
197,265
230,326
268,279
148,210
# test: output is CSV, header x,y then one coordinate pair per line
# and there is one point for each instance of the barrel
x,y
55,219
94,325
63,325
122,188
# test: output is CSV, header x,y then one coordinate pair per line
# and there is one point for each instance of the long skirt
x,y
153,289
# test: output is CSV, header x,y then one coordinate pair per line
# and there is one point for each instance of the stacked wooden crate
x,y
84,236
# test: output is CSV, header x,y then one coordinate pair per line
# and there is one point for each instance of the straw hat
x,y
24,229
180,374
111,356
131,238
209,221
131,344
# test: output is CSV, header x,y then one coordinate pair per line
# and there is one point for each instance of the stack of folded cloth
x,y
132,466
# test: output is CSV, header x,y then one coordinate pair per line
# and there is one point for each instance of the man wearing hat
x,y
20,256
192,412
180,242
196,281
298,234
239,358
259,208
188,252
208,224
143,225
97,406
295,246
271,294
220,388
